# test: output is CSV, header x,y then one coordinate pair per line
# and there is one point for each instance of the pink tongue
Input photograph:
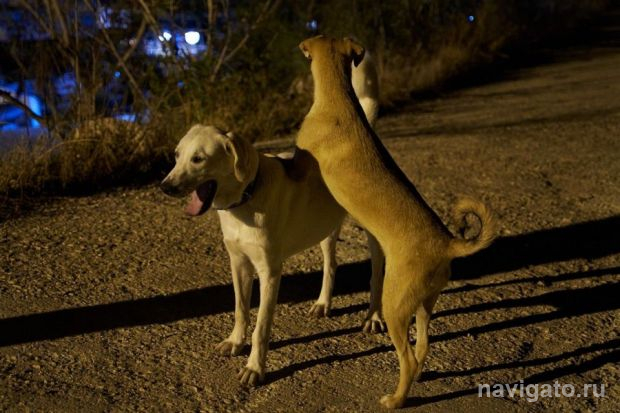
x,y
194,206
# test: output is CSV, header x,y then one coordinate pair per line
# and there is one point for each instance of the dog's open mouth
x,y
201,199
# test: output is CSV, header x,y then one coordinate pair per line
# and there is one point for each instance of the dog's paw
x,y
391,401
418,372
418,375
250,377
228,348
319,310
373,325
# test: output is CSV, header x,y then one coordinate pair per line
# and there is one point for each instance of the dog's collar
x,y
246,195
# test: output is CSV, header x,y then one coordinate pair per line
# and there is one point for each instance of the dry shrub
x,y
252,104
248,88
454,49
460,46
99,149
99,152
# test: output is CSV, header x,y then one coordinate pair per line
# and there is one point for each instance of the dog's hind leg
x,y
423,315
373,322
254,371
323,304
242,271
422,319
399,304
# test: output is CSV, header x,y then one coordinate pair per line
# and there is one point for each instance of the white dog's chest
x,y
248,228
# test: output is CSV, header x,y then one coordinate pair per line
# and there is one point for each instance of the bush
x,y
242,82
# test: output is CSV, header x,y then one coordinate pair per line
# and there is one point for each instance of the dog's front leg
x,y
254,371
373,322
323,304
242,271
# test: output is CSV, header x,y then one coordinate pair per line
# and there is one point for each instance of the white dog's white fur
x,y
366,86
268,211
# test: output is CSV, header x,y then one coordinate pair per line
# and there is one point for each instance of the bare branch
x,y
268,9
137,39
35,15
12,99
222,54
121,60
48,28
259,20
61,21
209,32
122,64
148,15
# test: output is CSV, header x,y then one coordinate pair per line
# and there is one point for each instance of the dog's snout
x,y
168,188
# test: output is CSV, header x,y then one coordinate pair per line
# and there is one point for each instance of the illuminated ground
x,y
115,301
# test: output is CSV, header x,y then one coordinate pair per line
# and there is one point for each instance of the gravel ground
x,y
114,302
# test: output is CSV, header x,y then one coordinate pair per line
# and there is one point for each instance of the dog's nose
x,y
168,188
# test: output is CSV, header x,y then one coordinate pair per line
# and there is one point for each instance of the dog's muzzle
x,y
169,189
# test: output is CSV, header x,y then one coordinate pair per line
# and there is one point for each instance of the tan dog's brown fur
x,y
365,180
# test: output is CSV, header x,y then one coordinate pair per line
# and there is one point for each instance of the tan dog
x,y
365,180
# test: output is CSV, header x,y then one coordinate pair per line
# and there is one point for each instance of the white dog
x,y
366,86
269,209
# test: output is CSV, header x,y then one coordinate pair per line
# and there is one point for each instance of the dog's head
x,y
215,167
347,49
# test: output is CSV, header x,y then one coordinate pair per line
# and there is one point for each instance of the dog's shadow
x,y
567,303
588,240
596,356
585,240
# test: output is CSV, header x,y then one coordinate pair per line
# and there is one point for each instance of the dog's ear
x,y
241,151
354,49
305,48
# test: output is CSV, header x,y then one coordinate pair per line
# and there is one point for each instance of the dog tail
x,y
461,246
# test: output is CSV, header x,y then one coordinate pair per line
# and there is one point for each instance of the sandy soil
x,y
114,302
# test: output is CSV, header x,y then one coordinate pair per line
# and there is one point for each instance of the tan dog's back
x,y
359,171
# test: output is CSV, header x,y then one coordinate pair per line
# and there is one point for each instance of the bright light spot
x,y
117,74
126,117
312,25
471,18
104,17
165,36
192,37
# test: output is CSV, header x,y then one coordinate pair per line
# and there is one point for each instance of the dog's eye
x,y
176,155
197,159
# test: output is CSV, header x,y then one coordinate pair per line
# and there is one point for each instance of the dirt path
x,y
114,302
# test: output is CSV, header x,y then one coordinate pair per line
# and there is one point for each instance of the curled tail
x,y
461,247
